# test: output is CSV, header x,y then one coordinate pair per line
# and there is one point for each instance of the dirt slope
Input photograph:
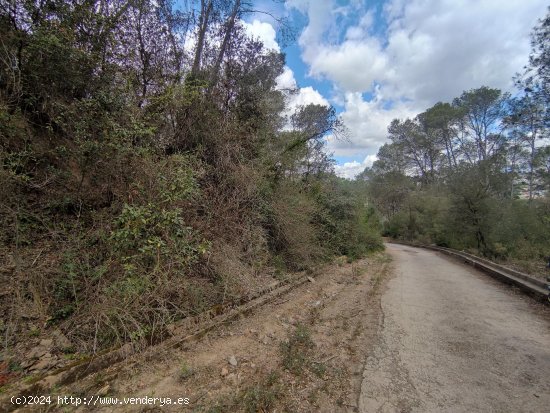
x,y
302,352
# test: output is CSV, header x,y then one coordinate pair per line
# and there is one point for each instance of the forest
x,y
474,173
150,170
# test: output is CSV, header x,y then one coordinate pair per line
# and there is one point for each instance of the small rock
x,y
252,366
317,303
126,350
224,372
232,379
36,353
45,362
60,340
265,340
104,390
291,321
233,361
47,342
311,279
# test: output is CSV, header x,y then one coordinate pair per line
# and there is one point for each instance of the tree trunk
x,y
206,9
230,24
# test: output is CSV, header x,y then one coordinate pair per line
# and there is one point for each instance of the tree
x,y
542,169
535,80
530,114
314,122
482,110
442,120
527,123
390,159
420,147
205,16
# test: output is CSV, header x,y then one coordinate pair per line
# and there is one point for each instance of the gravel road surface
x,y
451,339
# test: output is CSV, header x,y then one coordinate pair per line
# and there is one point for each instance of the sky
x,y
377,60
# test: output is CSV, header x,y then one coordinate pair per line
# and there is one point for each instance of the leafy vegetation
x,y
149,169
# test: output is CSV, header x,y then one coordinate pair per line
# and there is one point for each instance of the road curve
x,y
451,339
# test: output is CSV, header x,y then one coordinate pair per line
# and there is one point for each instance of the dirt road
x,y
453,340
302,352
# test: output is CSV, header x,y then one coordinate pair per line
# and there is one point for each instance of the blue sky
x,y
383,59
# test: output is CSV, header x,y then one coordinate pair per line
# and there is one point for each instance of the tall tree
x,y
527,121
483,109
442,119
205,16
536,77
420,148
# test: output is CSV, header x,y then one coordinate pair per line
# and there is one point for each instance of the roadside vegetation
x,y
474,174
150,169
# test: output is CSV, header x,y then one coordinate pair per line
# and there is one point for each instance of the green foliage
x,y
348,225
185,372
473,174
137,189
147,234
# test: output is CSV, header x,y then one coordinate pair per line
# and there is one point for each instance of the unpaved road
x,y
453,340
256,363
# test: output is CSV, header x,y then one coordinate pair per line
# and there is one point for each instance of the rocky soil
x,y
304,351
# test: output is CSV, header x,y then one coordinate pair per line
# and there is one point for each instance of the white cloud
x,y
264,32
355,64
367,122
430,50
320,15
308,95
295,96
350,170
286,80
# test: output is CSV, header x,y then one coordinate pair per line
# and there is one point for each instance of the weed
x,y
185,371
218,408
313,396
262,396
357,271
314,315
297,349
34,332
30,378
319,369
14,367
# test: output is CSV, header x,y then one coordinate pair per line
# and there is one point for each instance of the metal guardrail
x,y
530,285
